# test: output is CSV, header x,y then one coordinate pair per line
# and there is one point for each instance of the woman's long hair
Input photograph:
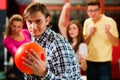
x,y
15,17
80,37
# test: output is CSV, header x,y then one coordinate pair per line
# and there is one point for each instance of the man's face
x,y
93,11
37,24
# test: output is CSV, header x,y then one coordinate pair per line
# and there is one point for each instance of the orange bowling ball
x,y
21,53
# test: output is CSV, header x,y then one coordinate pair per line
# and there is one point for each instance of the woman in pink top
x,y
15,36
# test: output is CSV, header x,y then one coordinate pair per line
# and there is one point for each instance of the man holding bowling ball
x,y
60,61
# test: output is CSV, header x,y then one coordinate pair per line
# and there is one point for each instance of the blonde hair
x,y
15,17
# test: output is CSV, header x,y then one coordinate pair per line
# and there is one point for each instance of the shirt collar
x,y
44,36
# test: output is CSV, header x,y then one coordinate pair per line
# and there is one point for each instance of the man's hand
x,y
34,62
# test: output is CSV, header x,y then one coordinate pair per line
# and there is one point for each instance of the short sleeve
x,y
83,50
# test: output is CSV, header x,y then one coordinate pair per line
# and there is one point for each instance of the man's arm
x,y
89,36
114,40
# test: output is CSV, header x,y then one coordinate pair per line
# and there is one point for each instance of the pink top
x,y
12,45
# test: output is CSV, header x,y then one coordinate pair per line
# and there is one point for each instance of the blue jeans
x,y
99,70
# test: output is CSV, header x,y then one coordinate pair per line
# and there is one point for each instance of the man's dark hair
x,y
92,2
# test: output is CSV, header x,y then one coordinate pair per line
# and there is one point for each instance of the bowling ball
x,y
21,53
